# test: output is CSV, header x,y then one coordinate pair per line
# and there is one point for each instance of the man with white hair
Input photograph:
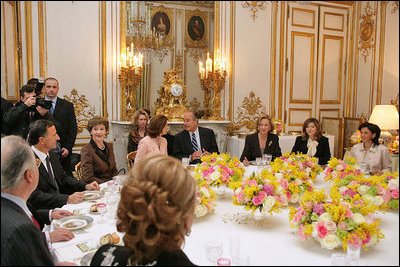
x,y
22,243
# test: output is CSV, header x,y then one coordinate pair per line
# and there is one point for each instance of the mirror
x,y
187,31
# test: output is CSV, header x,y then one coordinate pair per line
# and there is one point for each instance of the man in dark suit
x,y
19,117
65,120
194,141
55,187
5,106
22,242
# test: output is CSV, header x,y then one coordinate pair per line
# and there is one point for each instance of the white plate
x,y
87,258
91,195
74,224
254,163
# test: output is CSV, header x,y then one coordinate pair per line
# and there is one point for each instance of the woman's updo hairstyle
x,y
158,194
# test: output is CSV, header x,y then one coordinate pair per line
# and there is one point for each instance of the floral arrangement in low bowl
x,y
291,184
257,193
337,168
300,164
334,223
219,169
392,181
363,190
205,198
356,137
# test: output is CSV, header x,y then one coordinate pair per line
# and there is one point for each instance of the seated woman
x,y
155,213
139,122
261,142
370,151
97,157
312,142
154,143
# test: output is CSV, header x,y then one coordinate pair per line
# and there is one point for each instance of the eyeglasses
x,y
38,162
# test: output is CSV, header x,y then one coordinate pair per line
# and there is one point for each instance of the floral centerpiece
x,y
217,170
392,181
279,126
298,164
291,184
363,190
337,168
205,198
355,138
257,193
334,223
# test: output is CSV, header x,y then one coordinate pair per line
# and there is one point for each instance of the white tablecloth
x,y
267,242
235,145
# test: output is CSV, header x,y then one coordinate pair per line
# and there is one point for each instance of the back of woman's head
x,y
156,125
374,129
318,132
158,194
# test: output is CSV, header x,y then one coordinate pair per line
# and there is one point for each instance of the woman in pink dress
x,y
154,143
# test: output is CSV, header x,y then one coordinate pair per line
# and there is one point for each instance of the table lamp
x,y
387,118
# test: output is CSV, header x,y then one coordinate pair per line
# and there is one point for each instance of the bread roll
x,y
115,238
93,208
106,239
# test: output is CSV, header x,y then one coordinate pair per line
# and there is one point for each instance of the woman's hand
x,y
246,162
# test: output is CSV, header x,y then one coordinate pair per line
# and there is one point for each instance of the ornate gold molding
x,y
196,49
254,6
367,29
247,115
83,111
395,6
195,104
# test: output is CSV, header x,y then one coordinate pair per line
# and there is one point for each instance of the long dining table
x,y
266,240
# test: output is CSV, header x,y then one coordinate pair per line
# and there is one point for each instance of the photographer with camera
x,y
29,108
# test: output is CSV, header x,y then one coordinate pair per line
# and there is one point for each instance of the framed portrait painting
x,y
161,22
196,27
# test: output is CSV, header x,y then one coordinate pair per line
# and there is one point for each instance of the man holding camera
x,y
30,108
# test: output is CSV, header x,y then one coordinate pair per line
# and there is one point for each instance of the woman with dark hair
x,y
97,157
263,141
154,143
312,142
376,156
155,213
139,122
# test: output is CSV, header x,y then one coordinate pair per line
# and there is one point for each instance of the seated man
x,y
22,242
55,187
194,141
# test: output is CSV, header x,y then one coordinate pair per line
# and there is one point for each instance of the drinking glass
x,y
268,158
338,259
112,202
353,252
214,251
363,166
234,249
259,160
102,209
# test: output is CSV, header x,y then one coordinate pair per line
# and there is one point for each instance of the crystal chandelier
x,y
139,32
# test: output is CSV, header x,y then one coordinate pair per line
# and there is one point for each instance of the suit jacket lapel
x,y
43,172
188,141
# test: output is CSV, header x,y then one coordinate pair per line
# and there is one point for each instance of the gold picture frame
x,y
162,21
196,29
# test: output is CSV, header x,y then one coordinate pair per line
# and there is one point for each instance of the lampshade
x,y
385,116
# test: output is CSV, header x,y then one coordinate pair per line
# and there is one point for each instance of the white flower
x,y
325,217
295,198
339,167
204,192
358,218
298,181
237,191
278,175
393,184
372,242
377,200
342,189
215,175
362,189
331,241
331,226
368,198
308,170
200,211
269,202
280,190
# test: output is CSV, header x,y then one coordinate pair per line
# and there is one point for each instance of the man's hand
x,y
42,111
92,186
246,162
30,101
196,155
61,234
58,214
64,152
75,198
205,152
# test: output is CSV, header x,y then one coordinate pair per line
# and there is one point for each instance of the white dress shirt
x,y
197,138
376,157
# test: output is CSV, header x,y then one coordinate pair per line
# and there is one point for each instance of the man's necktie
x,y
52,108
194,142
50,172
35,222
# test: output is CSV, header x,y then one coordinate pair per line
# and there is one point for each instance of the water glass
x,y
353,252
112,202
185,162
259,160
234,249
214,251
102,208
267,157
339,259
363,167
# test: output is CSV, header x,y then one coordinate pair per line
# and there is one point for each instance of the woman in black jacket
x,y
312,142
261,142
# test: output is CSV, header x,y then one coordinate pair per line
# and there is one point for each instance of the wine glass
x,y
267,158
102,208
214,251
112,202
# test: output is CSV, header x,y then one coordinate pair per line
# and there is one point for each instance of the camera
x,y
42,102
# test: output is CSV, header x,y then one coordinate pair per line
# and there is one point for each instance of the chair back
x,y
78,171
130,159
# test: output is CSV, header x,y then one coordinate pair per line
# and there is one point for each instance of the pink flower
x,y
301,233
318,209
256,200
284,183
353,183
252,182
349,192
240,197
349,213
342,225
225,177
261,195
387,196
395,193
288,195
208,171
366,240
381,190
321,229
367,183
345,165
269,189
213,160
